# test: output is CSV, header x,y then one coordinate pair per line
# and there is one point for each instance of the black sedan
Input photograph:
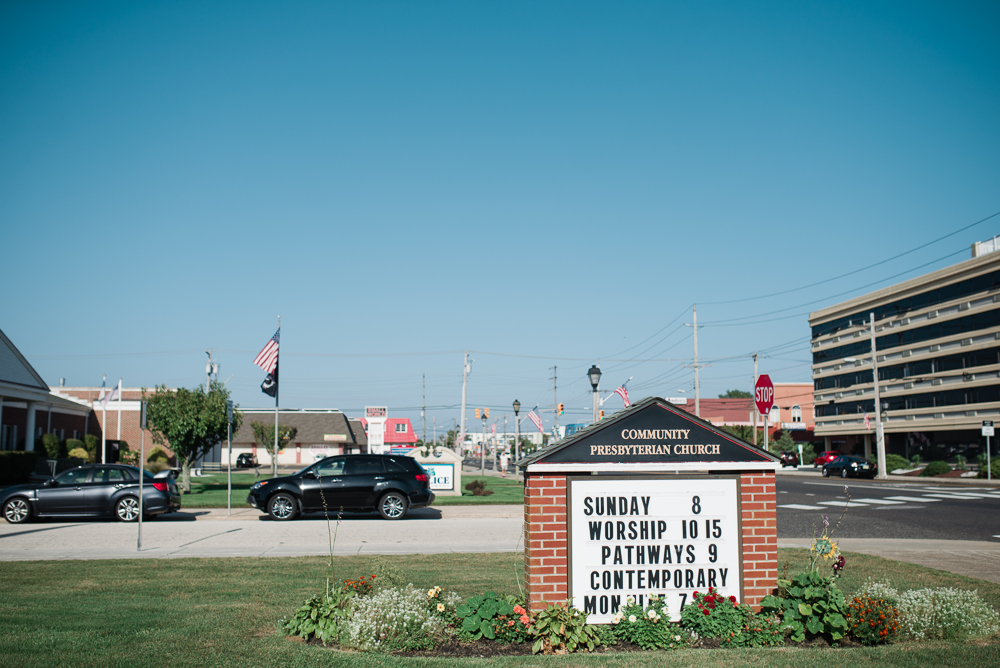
x,y
95,490
390,484
847,466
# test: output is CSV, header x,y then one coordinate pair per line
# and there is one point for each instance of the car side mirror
x,y
51,482
312,474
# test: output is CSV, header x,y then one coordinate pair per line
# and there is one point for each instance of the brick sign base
x,y
546,548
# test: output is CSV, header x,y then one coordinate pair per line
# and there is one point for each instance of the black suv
x,y
389,484
246,461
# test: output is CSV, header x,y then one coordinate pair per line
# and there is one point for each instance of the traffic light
x,y
486,413
477,413
560,409
601,414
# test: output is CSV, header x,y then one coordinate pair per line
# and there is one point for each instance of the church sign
x,y
652,501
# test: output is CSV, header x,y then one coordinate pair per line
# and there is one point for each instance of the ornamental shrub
x,y
78,453
649,628
500,618
947,613
360,587
872,620
758,631
157,455
712,615
893,462
92,444
397,619
73,444
322,617
994,463
156,467
53,448
478,488
936,468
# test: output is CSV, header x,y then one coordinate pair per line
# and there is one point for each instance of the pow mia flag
x,y
270,384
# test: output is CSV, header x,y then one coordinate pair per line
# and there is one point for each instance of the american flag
x,y
868,425
267,358
537,421
623,393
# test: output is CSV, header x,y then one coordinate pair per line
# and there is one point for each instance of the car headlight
x,y
258,485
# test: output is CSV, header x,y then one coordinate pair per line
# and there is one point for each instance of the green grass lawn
x,y
224,612
209,491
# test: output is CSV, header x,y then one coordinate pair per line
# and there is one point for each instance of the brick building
x,y
28,409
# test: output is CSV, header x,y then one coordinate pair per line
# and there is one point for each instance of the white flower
x,y
440,607
651,613
431,593
677,638
629,601
631,618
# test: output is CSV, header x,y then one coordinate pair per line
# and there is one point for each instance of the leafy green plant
x,y
91,443
361,587
759,630
561,628
960,462
893,462
649,628
936,468
872,620
916,459
809,604
323,616
73,444
494,617
713,615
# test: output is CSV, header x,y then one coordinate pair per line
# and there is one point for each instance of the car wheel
x,y
392,506
843,473
127,509
282,507
17,510
826,472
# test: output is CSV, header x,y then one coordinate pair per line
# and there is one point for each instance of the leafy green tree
x,y
189,422
735,394
782,442
263,434
744,431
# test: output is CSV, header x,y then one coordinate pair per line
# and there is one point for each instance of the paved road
x,y
875,509
210,533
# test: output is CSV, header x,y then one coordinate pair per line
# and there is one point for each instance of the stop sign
x,y
763,394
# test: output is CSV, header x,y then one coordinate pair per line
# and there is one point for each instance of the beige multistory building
x,y
937,348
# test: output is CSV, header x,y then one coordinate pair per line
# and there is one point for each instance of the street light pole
x,y
517,440
595,377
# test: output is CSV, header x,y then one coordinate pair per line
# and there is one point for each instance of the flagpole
x,y
277,388
119,413
104,422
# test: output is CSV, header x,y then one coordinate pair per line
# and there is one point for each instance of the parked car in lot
x,y
847,466
825,457
390,484
94,490
789,458
246,461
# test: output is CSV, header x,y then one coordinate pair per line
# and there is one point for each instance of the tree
x,y
189,422
744,431
263,435
735,394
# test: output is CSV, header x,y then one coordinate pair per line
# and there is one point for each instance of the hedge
x,y
16,466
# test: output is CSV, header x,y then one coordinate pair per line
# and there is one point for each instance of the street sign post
x,y
987,432
763,397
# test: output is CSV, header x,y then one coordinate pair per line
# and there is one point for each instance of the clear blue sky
x,y
556,182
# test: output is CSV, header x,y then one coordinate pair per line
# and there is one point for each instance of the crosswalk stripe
x,y
953,496
842,503
915,499
798,506
885,502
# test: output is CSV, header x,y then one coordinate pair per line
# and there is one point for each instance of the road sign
x,y
987,427
763,394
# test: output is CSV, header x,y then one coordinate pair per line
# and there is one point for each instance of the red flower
x,y
707,612
733,599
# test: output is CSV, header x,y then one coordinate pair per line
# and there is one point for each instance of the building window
x,y
401,428
775,416
796,413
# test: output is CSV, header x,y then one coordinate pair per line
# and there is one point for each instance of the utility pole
x,y
697,394
754,410
879,433
555,402
465,385
482,448
423,409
